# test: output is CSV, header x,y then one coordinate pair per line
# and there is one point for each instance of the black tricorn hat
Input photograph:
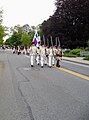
x,y
32,43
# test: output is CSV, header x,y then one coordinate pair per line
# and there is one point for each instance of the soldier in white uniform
x,y
47,55
14,51
19,50
42,55
38,56
33,53
54,55
24,51
50,56
38,53
58,56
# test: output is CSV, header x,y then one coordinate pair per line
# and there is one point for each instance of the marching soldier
x,y
27,51
19,50
38,55
24,50
54,55
33,52
42,55
47,55
50,56
14,51
58,56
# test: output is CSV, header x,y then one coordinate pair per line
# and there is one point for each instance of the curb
x,y
76,61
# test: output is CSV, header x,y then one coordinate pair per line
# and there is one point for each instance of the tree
x,y
70,22
2,29
19,36
88,43
1,13
75,19
14,39
26,39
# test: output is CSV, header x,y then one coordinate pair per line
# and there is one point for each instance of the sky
x,y
32,12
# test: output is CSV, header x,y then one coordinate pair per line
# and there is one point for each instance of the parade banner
x,y
36,38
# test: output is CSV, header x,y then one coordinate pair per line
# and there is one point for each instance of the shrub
x,y
72,53
76,51
86,58
69,55
67,51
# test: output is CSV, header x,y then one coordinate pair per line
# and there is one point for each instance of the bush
x,y
72,53
76,51
86,58
87,49
69,55
67,51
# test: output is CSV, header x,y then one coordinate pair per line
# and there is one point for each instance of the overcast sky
x,y
32,12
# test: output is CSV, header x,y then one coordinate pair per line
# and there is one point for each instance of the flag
x,y
35,41
36,38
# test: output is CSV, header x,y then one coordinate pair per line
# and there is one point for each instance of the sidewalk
x,y
76,60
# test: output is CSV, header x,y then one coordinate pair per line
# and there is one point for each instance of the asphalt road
x,y
42,93
79,68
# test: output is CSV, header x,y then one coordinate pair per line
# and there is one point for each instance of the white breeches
x,y
51,60
42,60
32,59
38,59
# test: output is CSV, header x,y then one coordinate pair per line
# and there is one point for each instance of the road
x,y
42,93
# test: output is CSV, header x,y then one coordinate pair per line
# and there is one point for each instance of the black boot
x,y
57,64
31,65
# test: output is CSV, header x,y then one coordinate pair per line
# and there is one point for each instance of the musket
x,y
58,42
52,44
44,39
47,42
51,40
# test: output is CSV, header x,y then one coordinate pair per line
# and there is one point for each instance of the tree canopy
x,y
70,22
19,37
2,28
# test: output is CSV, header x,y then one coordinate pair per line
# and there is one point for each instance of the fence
x,y
84,53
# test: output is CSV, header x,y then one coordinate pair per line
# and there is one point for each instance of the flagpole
x,y
47,42
59,41
51,40
44,39
35,39
56,41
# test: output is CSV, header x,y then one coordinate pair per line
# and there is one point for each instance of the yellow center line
x,y
74,73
